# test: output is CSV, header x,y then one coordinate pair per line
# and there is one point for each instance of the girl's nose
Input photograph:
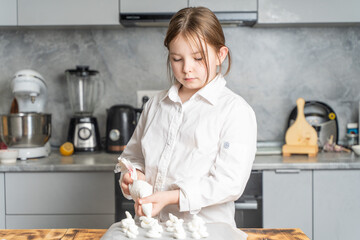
x,y
187,67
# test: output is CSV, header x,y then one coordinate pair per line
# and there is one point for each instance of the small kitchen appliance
x,y
84,88
29,130
322,117
120,125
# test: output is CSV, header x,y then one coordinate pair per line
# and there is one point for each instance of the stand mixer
x,y
29,130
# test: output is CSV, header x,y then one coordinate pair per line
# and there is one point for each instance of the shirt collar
x,y
210,92
173,93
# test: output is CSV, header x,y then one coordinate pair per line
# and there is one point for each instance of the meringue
x,y
179,232
128,226
198,228
153,234
153,226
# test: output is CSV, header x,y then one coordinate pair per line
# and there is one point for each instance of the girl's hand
x,y
159,200
126,180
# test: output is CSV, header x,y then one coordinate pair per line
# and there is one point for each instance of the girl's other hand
x,y
159,200
126,180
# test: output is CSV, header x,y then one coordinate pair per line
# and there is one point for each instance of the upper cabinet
x,y
67,12
8,16
151,6
307,12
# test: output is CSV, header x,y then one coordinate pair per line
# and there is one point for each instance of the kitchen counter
x,y
105,162
79,234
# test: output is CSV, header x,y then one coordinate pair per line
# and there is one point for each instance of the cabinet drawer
x,y
59,221
287,200
60,193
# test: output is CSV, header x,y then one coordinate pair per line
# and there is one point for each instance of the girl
x,y
196,142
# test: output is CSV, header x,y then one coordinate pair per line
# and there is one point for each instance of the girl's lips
x,y
189,79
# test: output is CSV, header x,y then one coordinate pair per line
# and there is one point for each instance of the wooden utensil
x,y
301,137
14,106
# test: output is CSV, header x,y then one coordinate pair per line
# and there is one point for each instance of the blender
x,y
84,86
29,130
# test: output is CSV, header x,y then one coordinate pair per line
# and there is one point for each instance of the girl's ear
x,y
222,54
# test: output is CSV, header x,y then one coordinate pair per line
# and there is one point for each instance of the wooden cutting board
x,y
301,137
95,234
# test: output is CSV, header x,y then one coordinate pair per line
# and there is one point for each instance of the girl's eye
x,y
198,59
176,59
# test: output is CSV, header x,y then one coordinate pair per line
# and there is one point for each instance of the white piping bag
x,y
139,188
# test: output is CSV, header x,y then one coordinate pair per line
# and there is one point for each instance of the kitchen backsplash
x,y
271,68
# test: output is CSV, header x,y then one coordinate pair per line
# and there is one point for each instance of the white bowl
x,y
356,149
8,155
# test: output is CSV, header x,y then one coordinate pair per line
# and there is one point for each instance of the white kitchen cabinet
x,y
153,6
226,5
336,204
2,201
68,12
287,200
308,12
8,13
60,199
59,221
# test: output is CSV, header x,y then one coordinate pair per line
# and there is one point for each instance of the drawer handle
x,y
250,205
287,171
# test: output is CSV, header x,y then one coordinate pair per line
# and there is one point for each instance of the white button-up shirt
x,y
205,147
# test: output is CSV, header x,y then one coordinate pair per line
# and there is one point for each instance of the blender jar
x,y
84,86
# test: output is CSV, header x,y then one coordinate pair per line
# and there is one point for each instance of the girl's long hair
x,y
196,24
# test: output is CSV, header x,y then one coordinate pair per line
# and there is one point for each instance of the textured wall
x,y
271,68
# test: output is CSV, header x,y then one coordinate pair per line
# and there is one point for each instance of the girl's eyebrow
x,y
173,53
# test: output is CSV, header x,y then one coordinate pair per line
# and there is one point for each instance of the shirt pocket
x,y
206,136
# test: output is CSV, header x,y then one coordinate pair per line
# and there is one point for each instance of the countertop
x,y
106,162
79,234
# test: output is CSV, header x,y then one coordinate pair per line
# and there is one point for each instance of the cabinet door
x,y
308,11
154,6
336,204
287,200
2,201
68,12
59,221
226,5
8,15
60,193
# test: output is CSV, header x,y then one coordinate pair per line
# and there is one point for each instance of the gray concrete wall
x,y
271,68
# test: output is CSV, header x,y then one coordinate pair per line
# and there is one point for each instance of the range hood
x,y
162,19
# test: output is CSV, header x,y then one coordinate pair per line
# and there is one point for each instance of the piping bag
x,y
139,188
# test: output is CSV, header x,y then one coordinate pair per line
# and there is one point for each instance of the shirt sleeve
x,y
229,174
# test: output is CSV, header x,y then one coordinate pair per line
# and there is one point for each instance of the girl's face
x,y
188,66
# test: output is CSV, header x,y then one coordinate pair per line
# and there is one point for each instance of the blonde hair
x,y
196,24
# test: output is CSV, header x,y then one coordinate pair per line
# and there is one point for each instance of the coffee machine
x,y
84,88
29,130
